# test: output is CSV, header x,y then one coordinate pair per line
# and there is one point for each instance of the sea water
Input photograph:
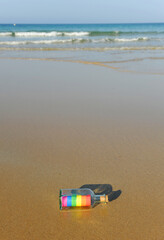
x,y
110,43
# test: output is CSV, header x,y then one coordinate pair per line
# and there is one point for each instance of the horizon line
x,y
84,23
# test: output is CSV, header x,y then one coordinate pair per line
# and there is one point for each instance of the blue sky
x,y
81,11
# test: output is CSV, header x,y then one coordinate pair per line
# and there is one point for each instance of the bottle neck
x,y
101,198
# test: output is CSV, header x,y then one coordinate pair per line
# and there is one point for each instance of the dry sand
x,y
63,125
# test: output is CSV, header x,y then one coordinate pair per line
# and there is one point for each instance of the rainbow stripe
x,y
76,201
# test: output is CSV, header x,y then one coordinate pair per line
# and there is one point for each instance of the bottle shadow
x,y
106,189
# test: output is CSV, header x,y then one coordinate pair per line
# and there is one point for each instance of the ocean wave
x,y
78,34
108,40
131,39
43,34
103,40
36,42
36,34
31,34
57,41
74,40
13,43
2,34
120,33
94,49
49,34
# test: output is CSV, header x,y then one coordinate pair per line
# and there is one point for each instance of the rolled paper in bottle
x,y
76,201
104,198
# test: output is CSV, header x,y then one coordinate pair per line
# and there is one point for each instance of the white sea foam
x,y
72,40
131,39
99,49
51,41
41,42
13,43
5,34
77,34
103,40
37,34
45,34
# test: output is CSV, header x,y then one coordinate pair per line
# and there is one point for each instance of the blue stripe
x,y
69,201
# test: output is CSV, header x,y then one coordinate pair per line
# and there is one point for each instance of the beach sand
x,y
64,125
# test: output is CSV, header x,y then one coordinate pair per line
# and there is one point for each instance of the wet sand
x,y
63,125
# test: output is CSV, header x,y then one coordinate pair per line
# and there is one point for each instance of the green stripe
x,y
73,200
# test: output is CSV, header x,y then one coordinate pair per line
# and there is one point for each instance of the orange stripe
x,y
83,201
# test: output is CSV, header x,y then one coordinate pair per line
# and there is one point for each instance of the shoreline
x,y
96,63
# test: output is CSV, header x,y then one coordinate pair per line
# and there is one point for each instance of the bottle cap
x,y
104,198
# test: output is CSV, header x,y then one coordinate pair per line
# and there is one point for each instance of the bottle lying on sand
x,y
80,198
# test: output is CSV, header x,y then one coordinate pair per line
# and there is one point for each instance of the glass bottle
x,y
80,198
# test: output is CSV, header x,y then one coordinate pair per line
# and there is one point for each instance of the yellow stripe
x,y
78,201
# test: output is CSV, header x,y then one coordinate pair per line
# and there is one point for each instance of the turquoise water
x,y
91,36
89,42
